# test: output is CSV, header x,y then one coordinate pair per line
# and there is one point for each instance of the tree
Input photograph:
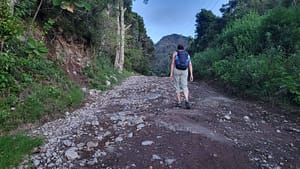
x,y
238,8
139,47
121,31
9,25
208,26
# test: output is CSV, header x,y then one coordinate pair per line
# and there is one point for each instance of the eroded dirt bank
x,y
136,125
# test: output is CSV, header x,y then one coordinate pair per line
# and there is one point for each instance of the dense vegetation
x,y
35,82
254,48
29,79
13,147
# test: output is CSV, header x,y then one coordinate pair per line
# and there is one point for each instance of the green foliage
x,y
241,36
257,56
8,64
49,25
35,48
245,74
264,75
39,101
24,96
208,26
103,33
101,72
135,61
281,30
238,8
9,25
17,72
4,115
96,27
292,65
14,147
139,47
31,87
25,8
203,62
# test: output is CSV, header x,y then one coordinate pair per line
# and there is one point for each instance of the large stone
x,y
71,154
140,126
170,161
91,144
155,157
119,139
67,143
246,118
36,162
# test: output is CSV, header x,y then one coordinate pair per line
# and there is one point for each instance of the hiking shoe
x,y
178,104
187,105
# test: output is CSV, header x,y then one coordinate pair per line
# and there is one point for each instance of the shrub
x,y
38,102
14,147
25,8
241,36
263,76
10,27
100,71
135,61
203,62
260,55
281,30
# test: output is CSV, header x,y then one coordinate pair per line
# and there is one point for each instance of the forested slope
x,y
53,51
253,49
49,48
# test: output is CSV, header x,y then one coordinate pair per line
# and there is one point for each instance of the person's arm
x,y
191,71
172,64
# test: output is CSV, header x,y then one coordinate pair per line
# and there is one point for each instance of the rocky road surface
x,y
137,126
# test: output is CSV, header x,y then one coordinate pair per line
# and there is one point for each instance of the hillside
x,y
163,51
52,53
51,49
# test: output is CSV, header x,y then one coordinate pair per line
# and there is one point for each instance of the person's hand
x,y
191,78
171,76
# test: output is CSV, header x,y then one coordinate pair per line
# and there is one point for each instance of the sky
x,y
166,17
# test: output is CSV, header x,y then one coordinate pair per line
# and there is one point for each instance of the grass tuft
x,y
14,147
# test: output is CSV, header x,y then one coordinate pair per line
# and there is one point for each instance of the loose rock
x,y
147,143
71,154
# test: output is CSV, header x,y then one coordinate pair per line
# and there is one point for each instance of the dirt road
x,y
136,125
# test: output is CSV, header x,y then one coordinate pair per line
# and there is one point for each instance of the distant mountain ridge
x,y
160,65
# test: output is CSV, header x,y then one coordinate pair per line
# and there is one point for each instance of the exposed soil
x,y
136,125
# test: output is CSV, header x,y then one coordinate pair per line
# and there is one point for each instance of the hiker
x,y
180,64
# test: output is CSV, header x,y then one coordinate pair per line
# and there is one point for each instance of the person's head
x,y
180,47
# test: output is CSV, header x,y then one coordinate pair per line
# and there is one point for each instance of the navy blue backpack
x,y
182,60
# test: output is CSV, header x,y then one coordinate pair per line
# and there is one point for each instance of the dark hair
x,y
180,47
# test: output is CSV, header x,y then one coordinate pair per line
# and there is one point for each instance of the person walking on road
x,y
180,65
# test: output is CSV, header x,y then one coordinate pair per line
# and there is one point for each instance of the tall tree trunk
x,y
122,38
117,59
120,49
294,3
12,5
